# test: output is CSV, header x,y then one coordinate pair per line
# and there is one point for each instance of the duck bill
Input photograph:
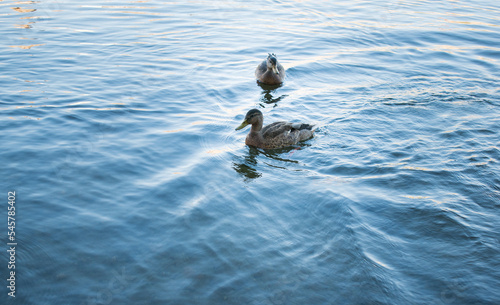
x,y
275,70
245,123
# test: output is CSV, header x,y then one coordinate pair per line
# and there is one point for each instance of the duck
x,y
270,71
275,135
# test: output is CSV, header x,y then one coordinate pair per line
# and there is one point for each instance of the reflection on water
x,y
23,10
269,88
248,165
118,134
267,97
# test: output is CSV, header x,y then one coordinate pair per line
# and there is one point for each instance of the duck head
x,y
272,63
254,117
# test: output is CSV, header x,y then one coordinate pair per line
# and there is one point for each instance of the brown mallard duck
x,y
270,72
275,135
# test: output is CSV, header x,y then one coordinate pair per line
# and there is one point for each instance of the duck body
x,y
275,135
270,71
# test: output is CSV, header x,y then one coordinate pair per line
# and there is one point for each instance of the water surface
x,y
133,187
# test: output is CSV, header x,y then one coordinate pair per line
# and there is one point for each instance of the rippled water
x,y
132,186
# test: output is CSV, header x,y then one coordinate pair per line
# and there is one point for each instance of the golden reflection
x,y
172,131
167,59
471,23
26,117
27,47
23,10
417,168
31,17
416,197
218,151
137,13
24,26
77,108
118,6
388,49
215,151
486,59
162,33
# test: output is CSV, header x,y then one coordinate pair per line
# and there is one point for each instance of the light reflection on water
x,y
134,188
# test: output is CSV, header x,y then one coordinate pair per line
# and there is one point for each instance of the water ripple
x,y
118,123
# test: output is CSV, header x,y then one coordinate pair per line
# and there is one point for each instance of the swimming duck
x,y
275,135
269,71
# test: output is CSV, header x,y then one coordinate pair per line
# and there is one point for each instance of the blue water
x,y
132,187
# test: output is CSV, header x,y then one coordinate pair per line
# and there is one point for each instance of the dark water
x,y
132,186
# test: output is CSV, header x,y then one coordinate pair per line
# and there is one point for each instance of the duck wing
x,y
276,129
302,126
281,71
261,69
